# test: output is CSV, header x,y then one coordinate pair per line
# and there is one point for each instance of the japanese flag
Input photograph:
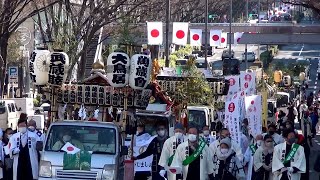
x,y
224,37
70,149
195,37
237,37
215,37
155,33
175,170
180,33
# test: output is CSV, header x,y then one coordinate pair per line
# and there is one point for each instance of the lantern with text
x,y
39,67
58,67
118,69
73,93
140,70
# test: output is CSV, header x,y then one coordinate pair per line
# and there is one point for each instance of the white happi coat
x,y
209,139
14,143
206,163
259,161
234,146
169,148
1,158
298,161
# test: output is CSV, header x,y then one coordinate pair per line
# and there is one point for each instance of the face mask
x,y
292,140
271,132
22,130
259,142
269,144
161,133
206,133
9,136
31,128
178,135
224,151
192,137
66,138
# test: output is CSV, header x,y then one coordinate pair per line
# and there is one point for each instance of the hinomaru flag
x,y
155,33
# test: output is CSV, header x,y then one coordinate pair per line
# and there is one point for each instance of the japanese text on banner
x,y
253,114
232,117
248,82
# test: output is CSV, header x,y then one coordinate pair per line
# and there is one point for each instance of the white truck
x,y
24,105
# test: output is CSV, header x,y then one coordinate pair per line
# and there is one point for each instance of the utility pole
x,y
247,10
230,26
206,35
167,62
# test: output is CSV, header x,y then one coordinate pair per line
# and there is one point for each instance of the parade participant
x,y
141,136
306,127
226,165
22,147
244,127
302,109
288,160
244,143
225,133
207,136
302,141
169,149
66,137
155,148
277,139
289,125
194,158
263,160
32,127
1,156
8,162
255,144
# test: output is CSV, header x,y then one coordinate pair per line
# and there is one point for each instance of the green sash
x,y
253,148
195,154
170,160
292,152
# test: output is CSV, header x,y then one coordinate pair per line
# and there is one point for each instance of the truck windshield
x,y
151,122
196,119
96,139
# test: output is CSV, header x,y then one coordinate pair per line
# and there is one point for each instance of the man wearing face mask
x,y
254,145
194,158
225,133
32,127
67,137
207,136
155,148
169,149
288,160
23,150
277,139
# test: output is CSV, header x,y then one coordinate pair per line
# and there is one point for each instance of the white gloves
x,y
16,151
290,169
162,173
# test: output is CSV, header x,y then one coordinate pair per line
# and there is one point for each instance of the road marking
x,y
316,82
301,50
315,87
318,144
316,141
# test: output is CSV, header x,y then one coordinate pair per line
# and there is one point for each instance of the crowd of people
x,y
279,153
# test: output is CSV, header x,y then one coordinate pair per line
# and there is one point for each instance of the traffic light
x,y
287,81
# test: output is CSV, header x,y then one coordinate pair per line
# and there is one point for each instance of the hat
x,y
23,116
226,141
178,126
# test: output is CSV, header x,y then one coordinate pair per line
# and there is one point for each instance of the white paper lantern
x,y
118,69
39,67
58,68
140,70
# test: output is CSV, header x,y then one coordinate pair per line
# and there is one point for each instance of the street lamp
x,y
206,35
230,26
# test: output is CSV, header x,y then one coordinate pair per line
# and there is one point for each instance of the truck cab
x,y
106,162
199,116
9,114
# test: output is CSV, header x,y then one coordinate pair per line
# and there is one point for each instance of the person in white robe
x,y
288,160
225,133
248,156
194,158
2,163
277,139
169,149
32,127
226,166
23,148
263,160
207,136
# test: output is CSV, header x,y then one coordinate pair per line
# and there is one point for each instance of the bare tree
x,y
311,4
12,14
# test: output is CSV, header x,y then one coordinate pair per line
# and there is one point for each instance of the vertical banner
x,y
215,37
155,33
248,82
237,36
234,86
180,33
232,117
195,37
224,37
264,94
253,106
242,108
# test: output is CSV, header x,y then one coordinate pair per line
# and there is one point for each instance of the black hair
x,y
272,126
22,121
224,129
267,136
193,127
286,132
